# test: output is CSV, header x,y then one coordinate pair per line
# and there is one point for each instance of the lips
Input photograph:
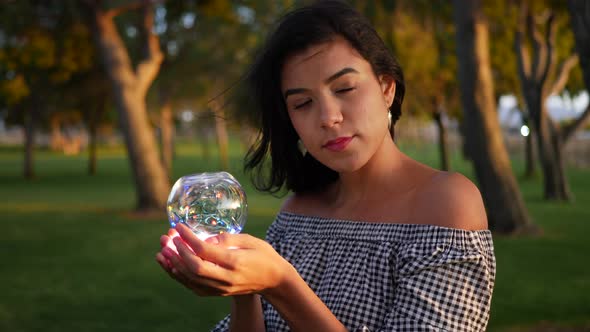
x,y
338,144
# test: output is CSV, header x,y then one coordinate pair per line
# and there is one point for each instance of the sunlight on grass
x,y
46,207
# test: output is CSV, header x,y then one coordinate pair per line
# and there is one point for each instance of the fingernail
x,y
213,240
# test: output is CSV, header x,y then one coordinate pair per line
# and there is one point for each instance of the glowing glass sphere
x,y
208,203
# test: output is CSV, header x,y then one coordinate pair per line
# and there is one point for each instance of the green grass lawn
x,y
74,258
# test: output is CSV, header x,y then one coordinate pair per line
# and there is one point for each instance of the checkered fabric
x,y
388,277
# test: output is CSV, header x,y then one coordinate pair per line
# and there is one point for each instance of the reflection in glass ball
x,y
208,203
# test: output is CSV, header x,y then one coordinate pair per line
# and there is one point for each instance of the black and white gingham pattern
x,y
388,277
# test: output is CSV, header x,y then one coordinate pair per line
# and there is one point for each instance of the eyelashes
x,y
345,90
308,102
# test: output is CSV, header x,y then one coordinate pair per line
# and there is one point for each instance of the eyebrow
x,y
340,73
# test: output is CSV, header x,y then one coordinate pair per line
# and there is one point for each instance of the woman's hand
x,y
227,264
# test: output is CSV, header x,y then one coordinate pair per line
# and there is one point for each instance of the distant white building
x,y
560,108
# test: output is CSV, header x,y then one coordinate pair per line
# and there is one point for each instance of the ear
x,y
388,88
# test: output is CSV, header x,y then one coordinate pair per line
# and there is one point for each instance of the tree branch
x,y
564,74
148,69
550,63
570,129
111,48
522,57
544,16
580,23
536,41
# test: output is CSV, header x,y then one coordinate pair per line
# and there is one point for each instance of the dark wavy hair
x,y
295,32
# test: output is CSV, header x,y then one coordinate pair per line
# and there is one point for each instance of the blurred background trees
x,y
153,71
44,46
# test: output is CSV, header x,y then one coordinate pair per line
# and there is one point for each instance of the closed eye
x,y
298,106
345,90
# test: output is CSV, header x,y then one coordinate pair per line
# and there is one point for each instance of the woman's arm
x,y
300,307
246,314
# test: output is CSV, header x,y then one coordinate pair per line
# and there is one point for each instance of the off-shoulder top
x,y
388,276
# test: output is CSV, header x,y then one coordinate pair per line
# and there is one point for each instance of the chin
x,y
345,165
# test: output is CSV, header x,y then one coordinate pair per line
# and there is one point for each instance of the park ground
x,y
74,257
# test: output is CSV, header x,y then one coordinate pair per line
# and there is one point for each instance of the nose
x,y
330,113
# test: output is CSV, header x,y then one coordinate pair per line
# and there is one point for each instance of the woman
x,y
370,239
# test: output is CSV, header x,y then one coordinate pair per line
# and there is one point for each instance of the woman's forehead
x,y
322,59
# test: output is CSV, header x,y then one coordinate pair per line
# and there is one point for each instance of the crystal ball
x,y
208,203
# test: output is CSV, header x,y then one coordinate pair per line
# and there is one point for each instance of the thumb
x,y
236,241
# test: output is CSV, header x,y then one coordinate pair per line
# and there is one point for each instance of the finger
x,y
183,262
199,267
206,251
172,272
163,261
174,260
184,232
238,241
196,244
212,240
188,255
172,233
200,285
164,239
180,271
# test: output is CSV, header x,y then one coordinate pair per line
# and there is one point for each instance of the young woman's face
x,y
336,104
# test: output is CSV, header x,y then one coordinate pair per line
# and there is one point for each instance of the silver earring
x,y
301,148
389,119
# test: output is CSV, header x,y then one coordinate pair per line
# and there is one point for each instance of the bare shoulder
x,y
291,204
450,199
297,203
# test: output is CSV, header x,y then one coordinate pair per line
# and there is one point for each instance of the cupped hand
x,y
223,265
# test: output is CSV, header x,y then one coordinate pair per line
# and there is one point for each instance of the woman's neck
x,y
373,179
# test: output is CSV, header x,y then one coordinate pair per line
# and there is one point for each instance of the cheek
x,y
370,111
300,123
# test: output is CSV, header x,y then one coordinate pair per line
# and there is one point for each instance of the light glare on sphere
x,y
208,203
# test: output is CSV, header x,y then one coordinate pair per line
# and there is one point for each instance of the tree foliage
x,y
40,51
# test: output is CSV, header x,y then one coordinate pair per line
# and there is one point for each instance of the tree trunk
x,y
205,144
56,140
504,204
222,136
529,150
92,133
580,19
550,153
442,137
166,131
129,91
533,76
464,145
30,124
93,122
